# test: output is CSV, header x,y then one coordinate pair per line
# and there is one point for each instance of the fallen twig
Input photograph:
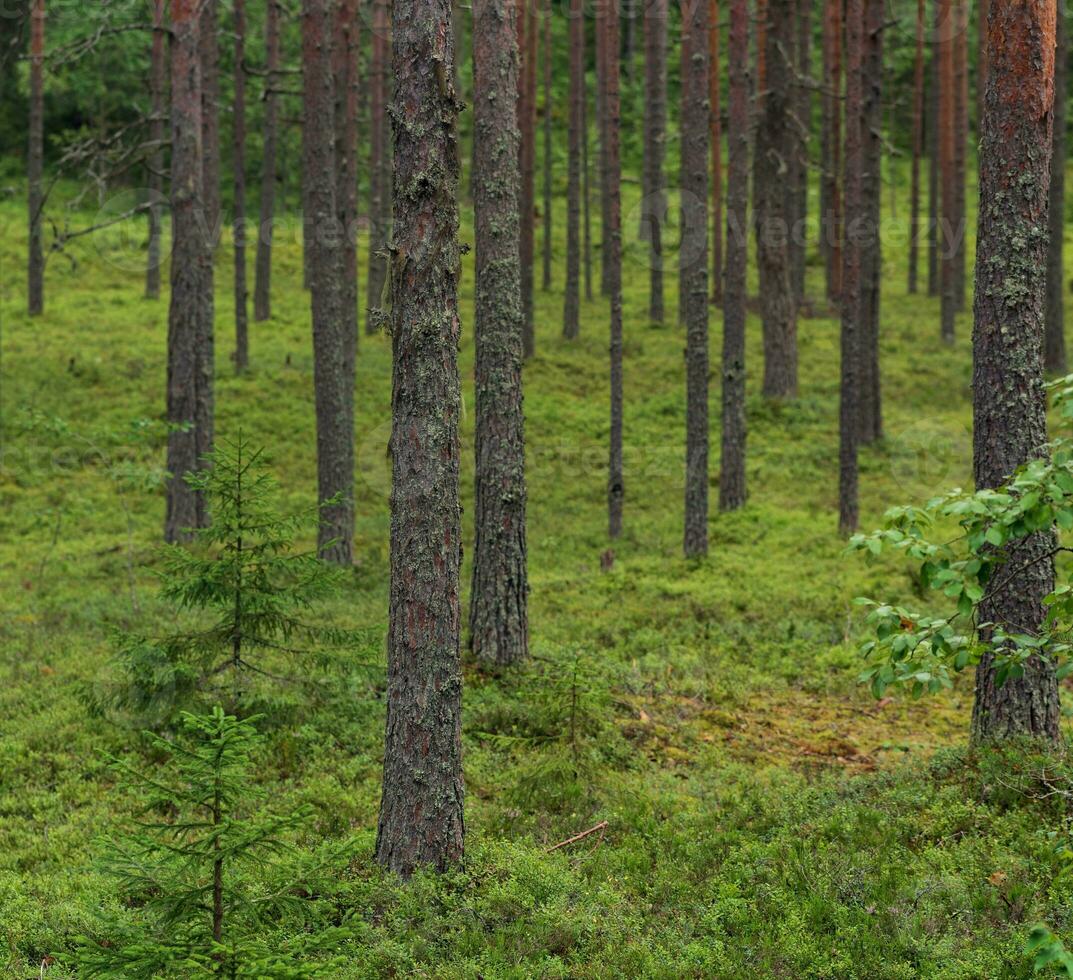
x,y
602,825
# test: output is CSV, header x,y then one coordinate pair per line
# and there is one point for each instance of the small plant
x,y
1049,953
193,909
244,572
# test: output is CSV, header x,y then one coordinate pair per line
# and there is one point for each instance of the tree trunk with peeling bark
x,y
498,620
1009,404
421,811
190,313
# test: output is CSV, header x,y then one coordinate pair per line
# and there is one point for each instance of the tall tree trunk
x,y
601,144
799,134
242,344
421,820
210,118
849,429
333,384
498,616
869,412
961,141
527,48
654,199
572,296
1009,409
613,253
982,7
547,144
586,193
1054,357
345,55
832,208
379,164
190,313
918,140
157,83
773,150
262,289
934,152
694,191
948,215
35,158
732,486
715,122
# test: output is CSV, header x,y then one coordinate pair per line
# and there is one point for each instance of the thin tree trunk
x,y
572,296
262,289
694,191
934,152
210,118
1009,407
715,118
242,344
379,165
333,384
961,140
948,215
547,144
834,275
421,819
613,253
869,389
848,507
773,150
918,139
732,485
498,617
654,199
190,313
1054,330
586,193
35,159
157,85
601,142
527,48
345,72
800,130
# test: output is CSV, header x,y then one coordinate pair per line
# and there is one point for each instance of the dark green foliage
x,y
247,589
193,908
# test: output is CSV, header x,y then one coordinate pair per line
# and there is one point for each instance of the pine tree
x,y
1054,348
35,159
157,129
242,344
203,873
262,290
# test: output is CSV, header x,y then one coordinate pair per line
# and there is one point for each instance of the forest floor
x,y
765,816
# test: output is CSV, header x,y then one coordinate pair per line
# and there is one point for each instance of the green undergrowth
x,y
764,817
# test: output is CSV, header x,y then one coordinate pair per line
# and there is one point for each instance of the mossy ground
x,y
765,817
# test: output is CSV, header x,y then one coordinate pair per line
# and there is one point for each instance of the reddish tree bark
x,y
190,313
158,68
262,289
732,483
421,819
1009,404
333,380
36,159
209,42
849,429
242,344
694,192
499,622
